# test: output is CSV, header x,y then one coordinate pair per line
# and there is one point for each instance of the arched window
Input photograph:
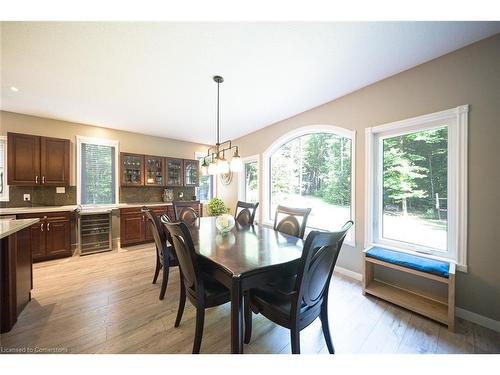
x,y
312,167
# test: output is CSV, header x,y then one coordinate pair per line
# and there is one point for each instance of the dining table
x,y
246,257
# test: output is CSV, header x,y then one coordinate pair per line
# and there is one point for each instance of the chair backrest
x,y
187,257
159,234
184,212
246,216
286,220
321,250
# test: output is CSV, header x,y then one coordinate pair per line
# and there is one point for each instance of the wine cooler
x,y
95,231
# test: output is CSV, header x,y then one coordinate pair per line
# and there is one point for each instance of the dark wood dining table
x,y
244,258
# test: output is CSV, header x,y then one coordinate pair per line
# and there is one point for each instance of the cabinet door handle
x,y
36,179
43,179
48,226
41,227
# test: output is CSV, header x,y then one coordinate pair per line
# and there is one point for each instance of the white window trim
x,y
241,176
310,129
199,154
5,195
102,142
457,180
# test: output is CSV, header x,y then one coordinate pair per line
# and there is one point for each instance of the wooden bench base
x,y
438,309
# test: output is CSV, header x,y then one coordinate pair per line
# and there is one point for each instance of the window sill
x,y
459,267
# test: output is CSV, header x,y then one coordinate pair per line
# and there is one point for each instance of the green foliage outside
x,y
316,165
97,174
217,207
415,170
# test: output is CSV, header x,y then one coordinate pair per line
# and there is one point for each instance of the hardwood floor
x,y
105,303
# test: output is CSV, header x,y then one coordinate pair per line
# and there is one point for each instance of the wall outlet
x,y
60,190
26,197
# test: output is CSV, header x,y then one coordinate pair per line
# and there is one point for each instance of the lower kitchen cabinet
x,y
51,236
134,228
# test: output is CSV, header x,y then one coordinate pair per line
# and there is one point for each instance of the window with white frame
x,y
312,167
249,180
97,171
416,185
206,188
4,189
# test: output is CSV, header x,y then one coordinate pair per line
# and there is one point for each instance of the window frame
x,y
213,183
456,119
102,142
4,197
242,176
306,130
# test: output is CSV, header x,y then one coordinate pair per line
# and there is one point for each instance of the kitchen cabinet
x,y
132,169
154,170
35,160
134,227
51,236
191,172
175,172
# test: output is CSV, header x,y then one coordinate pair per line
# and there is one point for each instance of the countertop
x,y
38,209
8,227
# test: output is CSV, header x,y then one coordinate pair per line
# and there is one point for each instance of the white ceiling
x,y
156,78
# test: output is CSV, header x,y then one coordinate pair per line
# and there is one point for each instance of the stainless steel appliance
x,y
95,230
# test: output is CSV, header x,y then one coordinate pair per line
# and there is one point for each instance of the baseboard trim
x,y
349,273
481,320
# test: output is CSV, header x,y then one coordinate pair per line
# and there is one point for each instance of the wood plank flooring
x,y
105,303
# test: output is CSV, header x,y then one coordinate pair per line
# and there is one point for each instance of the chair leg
x,y
166,271
200,319
182,302
295,339
157,270
248,319
326,327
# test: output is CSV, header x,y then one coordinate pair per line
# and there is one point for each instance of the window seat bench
x,y
436,308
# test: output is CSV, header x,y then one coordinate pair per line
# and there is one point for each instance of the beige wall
x,y
468,76
129,142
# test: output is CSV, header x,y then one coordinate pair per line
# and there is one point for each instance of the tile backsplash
x,y
47,196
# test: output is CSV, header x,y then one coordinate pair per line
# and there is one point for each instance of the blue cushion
x,y
415,262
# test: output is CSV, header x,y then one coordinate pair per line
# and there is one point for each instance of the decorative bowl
x,y
224,223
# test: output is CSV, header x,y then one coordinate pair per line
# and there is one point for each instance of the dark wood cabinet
x,y
35,160
191,172
51,236
134,228
131,226
154,170
23,160
54,161
132,169
16,277
175,172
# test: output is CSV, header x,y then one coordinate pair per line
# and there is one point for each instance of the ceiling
x,y
156,77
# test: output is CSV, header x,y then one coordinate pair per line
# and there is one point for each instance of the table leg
x,y
236,317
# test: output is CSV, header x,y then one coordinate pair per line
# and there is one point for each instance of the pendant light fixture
x,y
215,161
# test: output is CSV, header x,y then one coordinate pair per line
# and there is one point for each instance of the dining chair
x,y
246,216
165,254
184,211
286,220
297,301
203,291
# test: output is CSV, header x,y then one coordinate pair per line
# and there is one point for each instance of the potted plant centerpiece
x,y
224,221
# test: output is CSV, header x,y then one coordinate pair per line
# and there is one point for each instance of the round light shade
x,y
212,168
236,164
222,166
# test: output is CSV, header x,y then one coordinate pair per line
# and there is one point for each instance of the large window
x,y
415,184
206,188
249,180
313,167
4,189
97,171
